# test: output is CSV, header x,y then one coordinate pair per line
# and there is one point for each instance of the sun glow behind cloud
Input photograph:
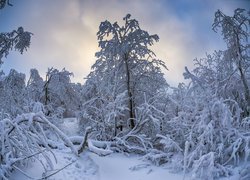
x,y
65,31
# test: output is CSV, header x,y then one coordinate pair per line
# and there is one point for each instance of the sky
x,y
64,31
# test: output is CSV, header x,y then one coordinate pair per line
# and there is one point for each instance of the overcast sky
x,y
65,31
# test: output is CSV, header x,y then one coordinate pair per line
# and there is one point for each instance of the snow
x,y
90,166
81,168
119,166
70,126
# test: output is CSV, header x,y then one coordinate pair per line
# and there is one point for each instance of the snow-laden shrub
x,y
132,142
140,138
204,167
210,133
157,157
38,107
24,138
105,115
165,150
109,124
214,132
149,117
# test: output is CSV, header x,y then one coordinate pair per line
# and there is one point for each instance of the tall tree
x,y
34,86
12,93
125,62
235,31
59,92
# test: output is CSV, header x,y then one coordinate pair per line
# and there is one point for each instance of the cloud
x,y
65,31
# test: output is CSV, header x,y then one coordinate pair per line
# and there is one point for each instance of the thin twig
x,y
52,174
43,178
39,152
27,157
23,172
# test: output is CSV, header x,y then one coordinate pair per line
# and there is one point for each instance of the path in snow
x,y
90,166
120,167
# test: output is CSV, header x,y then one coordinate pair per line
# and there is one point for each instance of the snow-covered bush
x,y
104,113
208,131
24,138
59,93
148,123
12,100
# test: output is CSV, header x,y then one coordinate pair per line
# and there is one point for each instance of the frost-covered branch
x,y
26,136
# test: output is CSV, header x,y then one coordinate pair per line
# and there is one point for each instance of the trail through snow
x,y
121,167
90,166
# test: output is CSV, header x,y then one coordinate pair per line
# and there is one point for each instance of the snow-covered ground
x,y
89,166
78,168
118,166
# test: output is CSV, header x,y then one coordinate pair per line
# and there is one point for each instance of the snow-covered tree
x,y
60,95
126,64
17,39
205,130
34,86
12,93
235,31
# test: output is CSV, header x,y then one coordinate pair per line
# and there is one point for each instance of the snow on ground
x,y
118,166
90,166
82,168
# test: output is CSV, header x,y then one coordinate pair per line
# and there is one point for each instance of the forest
x,y
200,128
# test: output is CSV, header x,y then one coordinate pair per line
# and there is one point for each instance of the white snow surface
x,y
90,166
119,166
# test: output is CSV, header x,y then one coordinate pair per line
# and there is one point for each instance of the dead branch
x,y
84,142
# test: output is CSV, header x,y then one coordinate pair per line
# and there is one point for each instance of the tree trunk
x,y
46,89
130,96
84,141
242,75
